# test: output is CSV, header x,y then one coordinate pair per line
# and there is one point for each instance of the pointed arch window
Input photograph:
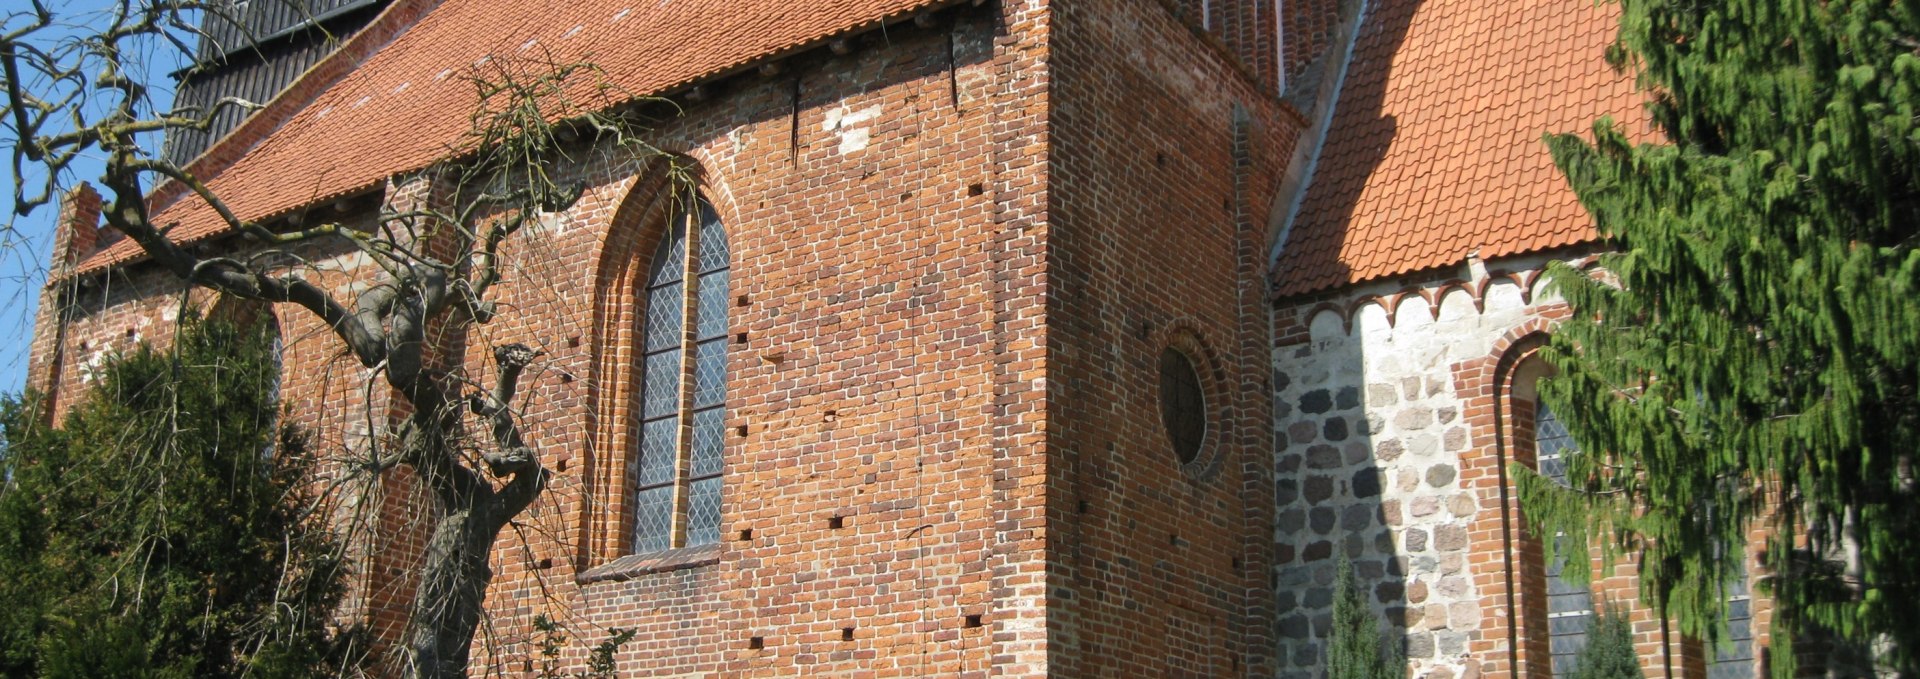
x,y
683,370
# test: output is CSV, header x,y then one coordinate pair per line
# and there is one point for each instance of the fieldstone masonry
x,y
1372,447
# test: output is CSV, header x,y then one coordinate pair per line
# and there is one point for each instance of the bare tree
x,y
70,94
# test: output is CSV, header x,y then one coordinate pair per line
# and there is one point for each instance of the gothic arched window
x,y
1569,606
682,404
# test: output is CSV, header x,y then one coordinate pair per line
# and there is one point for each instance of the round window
x,y
1183,408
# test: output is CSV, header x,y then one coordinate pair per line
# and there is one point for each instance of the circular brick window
x,y
1183,405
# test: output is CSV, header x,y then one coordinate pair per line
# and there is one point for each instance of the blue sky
x,y
24,247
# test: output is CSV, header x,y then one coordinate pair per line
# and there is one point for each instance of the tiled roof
x,y
1435,151
400,109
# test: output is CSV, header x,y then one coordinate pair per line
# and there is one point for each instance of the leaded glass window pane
x,y
713,241
1733,656
703,512
653,519
661,384
710,373
713,305
670,262
708,434
659,443
664,317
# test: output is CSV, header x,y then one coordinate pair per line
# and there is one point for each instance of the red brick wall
x,y
881,373
887,215
1165,163
1310,27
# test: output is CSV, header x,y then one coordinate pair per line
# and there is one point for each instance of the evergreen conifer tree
x,y
1609,651
163,530
1355,650
1754,358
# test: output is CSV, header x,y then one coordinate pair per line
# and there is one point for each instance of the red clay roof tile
x,y
401,108
1470,88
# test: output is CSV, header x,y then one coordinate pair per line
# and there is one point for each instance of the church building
x,y
1078,338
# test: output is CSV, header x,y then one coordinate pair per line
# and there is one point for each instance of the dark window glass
x,y
1183,409
1569,606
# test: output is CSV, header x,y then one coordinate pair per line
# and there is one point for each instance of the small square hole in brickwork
x,y
740,338
1236,563
906,196
1173,539
836,523
1084,506
746,534
740,301
975,189
846,634
546,564
757,643
740,430
830,415
972,621
573,342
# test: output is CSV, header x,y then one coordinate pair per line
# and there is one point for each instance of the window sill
x,y
635,565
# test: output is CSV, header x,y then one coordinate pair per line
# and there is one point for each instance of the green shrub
x,y
1356,650
1609,651
163,529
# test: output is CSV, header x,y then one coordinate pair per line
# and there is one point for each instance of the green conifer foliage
x,y
1754,362
1354,649
163,529
1609,651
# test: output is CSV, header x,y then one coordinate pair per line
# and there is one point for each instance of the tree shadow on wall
x,y
1359,470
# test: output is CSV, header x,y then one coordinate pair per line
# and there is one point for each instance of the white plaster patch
x,y
1457,305
1503,295
1414,313
848,125
572,31
554,223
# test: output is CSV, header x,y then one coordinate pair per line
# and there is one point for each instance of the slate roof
x,y
1435,151
399,110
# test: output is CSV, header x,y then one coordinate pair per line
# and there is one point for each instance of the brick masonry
x,y
943,454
